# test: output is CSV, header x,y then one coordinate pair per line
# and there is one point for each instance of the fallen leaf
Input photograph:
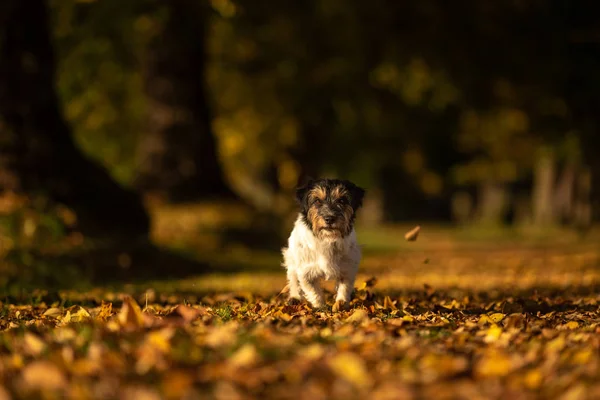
x,y
187,313
412,235
43,375
496,317
81,315
533,379
359,315
494,363
340,305
105,311
53,312
572,325
351,368
246,356
493,334
130,316
33,344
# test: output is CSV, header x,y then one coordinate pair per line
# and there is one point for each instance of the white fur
x,y
309,259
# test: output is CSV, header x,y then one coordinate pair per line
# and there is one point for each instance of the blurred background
x,y
189,123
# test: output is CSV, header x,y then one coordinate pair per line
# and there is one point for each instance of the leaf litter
x,y
390,342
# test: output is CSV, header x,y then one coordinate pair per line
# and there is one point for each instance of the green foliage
x,y
99,48
466,95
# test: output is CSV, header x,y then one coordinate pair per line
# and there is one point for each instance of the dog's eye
x,y
343,201
317,202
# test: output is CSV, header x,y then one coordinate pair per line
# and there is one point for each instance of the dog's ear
x,y
356,195
302,192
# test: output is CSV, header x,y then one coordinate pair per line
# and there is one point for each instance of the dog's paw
x,y
340,305
292,301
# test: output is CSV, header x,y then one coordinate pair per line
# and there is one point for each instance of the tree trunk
x,y
37,153
178,157
491,203
543,190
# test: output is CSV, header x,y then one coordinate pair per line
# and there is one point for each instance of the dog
x,y
322,244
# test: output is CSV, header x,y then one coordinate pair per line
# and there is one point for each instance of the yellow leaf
x,y
493,334
130,315
408,318
484,319
389,304
246,356
67,318
351,368
533,379
53,312
577,392
16,361
85,367
284,316
497,317
359,315
160,340
443,365
556,344
105,311
572,325
494,363
81,315
33,344
582,357
314,351
43,375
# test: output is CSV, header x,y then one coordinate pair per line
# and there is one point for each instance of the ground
x,y
456,314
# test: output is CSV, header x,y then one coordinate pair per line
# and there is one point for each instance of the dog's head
x,y
329,206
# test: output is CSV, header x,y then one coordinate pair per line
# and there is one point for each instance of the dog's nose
x,y
329,220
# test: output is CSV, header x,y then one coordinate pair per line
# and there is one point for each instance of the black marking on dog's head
x,y
329,206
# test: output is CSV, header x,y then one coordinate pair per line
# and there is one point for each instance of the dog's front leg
x,y
344,289
294,285
345,285
312,291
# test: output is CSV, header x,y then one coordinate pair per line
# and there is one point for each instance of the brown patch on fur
x,y
317,193
338,192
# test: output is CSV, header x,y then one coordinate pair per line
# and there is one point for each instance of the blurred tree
x,y
582,89
38,154
178,154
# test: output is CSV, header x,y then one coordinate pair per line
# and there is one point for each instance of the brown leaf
x,y
340,305
43,375
412,235
187,313
130,316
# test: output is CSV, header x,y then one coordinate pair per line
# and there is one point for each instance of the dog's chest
x,y
329,259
